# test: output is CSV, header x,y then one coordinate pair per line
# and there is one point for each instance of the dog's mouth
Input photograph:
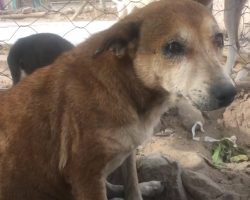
x,y
210,103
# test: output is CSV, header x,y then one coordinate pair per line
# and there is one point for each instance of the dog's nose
x,y
224,93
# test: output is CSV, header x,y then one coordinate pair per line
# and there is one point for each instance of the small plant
x,y
226,151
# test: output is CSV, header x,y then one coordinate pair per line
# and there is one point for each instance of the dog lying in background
x,y
77,120
33,52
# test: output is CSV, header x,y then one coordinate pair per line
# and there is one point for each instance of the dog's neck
x,y
143,99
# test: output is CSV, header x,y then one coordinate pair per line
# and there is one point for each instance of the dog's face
x,y
179,48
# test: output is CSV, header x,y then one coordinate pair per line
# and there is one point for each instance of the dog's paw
x,y
151,188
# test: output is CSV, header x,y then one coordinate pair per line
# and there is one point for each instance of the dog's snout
x,y
224,93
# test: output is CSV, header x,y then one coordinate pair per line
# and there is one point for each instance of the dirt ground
x,y
196,155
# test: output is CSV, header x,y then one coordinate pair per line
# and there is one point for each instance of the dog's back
x,y
35,51
23,149
39,127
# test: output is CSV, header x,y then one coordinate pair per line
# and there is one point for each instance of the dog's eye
x,y
174,48
218,40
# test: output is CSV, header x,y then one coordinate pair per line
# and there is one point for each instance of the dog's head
x,y
175,45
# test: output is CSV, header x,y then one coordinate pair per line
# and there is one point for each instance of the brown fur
x,y
66,127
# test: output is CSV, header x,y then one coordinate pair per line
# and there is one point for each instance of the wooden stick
x,y
21,16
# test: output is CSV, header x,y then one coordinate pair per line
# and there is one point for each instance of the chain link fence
x,y
76,20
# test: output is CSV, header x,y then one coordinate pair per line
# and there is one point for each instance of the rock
x,y
199,186
179,184
158,167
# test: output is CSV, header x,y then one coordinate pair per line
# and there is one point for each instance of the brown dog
x,y
65,128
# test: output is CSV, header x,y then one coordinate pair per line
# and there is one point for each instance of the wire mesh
x,y
76,20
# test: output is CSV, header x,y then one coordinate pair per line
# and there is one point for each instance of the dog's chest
x,y
129,138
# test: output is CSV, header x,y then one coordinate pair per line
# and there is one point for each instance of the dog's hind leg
x,y
130,179
114,191
132,189
232,15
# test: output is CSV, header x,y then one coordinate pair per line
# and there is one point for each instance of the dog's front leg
x,y
89,189
130,179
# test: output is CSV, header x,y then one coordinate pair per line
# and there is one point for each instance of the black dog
x,y
35,51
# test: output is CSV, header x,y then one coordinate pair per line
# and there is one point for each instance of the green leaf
x,y
239,158
216,157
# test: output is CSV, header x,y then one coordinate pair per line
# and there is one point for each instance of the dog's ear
x,y
121,39
207,3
